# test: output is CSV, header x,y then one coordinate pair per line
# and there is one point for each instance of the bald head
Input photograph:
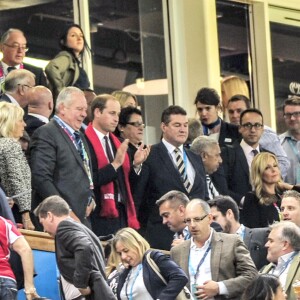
x,y
40,101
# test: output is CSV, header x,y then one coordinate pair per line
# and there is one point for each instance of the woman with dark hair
x,y
264,287
66,69
131,127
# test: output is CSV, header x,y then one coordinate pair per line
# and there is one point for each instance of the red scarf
x,y
108,204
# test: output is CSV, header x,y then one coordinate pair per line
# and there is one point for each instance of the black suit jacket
x,y
255,240
236,171
32,123
159,176
57,168
219,180
229,134
40,77
5,98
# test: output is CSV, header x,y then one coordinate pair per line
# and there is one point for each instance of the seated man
x,y
10,237
226,212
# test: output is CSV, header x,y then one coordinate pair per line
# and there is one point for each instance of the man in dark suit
x,y
14,47
111,169
79,253
59,157
208,149
208,106
40,107
17,87
226,212
283,254
218,265
160,174
237,159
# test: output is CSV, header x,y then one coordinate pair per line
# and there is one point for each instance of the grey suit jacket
x,y
57,168
230,263
292,275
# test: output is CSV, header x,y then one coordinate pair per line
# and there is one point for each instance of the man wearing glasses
x,y
14,47
17,85
237,159
290,140
218,265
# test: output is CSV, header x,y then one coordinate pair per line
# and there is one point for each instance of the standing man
x,y
208,106
13,47
17,86
218,265
226,212
168,167
115,206
269,139
79,253
290,140
208,149
283,254
59,157
40,107
237,160
290,207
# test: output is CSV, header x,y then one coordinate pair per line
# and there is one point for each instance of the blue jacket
x,y
174,275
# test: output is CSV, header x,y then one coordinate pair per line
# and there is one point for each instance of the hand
x,y
209,289
141,155
90,208
27,224
178,241
31,294
120,155
284,186
86,291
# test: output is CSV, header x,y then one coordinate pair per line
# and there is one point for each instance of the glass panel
x,y
234,43
128,43
286,65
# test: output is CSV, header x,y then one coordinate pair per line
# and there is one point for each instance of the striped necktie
x,y
182,171
212,192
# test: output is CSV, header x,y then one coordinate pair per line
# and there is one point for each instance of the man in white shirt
x,y
283,254
218,265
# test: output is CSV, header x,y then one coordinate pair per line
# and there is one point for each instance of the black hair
x,y
172,110
251,110
207,96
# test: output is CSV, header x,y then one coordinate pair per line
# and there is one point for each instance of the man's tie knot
x,y
255,152
9,69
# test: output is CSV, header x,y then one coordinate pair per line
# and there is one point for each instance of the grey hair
x,y
290,232
176,198
203,144
204,205
66,96
6,34
17,77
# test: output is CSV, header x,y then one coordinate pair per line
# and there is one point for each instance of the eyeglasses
x,y
29,86
195,220
17,46
136,124
295,114
250,126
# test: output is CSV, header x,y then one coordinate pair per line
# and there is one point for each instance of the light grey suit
x,y
292,275
230,263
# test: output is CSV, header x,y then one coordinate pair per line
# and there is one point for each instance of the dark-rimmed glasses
x,y
250,126
195,220
136,124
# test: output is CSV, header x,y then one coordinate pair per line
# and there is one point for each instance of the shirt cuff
x,y
222,288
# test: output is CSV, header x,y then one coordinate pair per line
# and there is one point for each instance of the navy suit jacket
x,y
159,176
40,76
32,123
229,134
57,169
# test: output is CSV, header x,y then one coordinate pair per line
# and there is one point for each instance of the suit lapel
x,y
242,160
292,271
169,165
216,250
70,144
247,236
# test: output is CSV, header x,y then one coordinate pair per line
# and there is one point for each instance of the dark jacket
x,y
174,275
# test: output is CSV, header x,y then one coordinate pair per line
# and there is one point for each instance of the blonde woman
x,y
14,170
126,99
261,207
139,281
